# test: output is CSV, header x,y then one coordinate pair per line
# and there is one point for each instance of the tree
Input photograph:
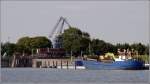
x,y
147,50
23,45
85,45
109,48
98,46
101,47
2,49
75,40
8,49
40,42
26,44
139,47
123,46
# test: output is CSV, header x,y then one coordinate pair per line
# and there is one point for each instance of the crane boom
x,y
61,28
67,22
55,27
57,31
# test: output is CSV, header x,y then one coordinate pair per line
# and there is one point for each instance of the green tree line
x,y
74,40
25,45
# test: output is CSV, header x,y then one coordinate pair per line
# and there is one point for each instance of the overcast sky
x,y
112,21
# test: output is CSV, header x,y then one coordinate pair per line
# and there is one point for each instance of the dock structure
x,y
51,63
19,61
44,63
45,58
13,61
55,63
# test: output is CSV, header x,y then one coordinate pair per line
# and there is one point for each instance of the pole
x,y
89,48
56,64
53,64
75,65
67,64
71,55
32,52
81,54
61,64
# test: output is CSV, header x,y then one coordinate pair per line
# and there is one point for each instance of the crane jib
x,y
57,31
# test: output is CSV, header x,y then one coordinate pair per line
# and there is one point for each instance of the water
x,y
47,75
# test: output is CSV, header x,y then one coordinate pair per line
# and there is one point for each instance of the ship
x,y
114,64
124,65
131,64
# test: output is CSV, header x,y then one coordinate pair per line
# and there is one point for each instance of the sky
x,y
111,21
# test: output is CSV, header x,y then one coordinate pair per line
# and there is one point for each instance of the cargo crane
x,y
56,33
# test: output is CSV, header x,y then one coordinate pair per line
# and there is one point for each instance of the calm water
x,y
34,76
